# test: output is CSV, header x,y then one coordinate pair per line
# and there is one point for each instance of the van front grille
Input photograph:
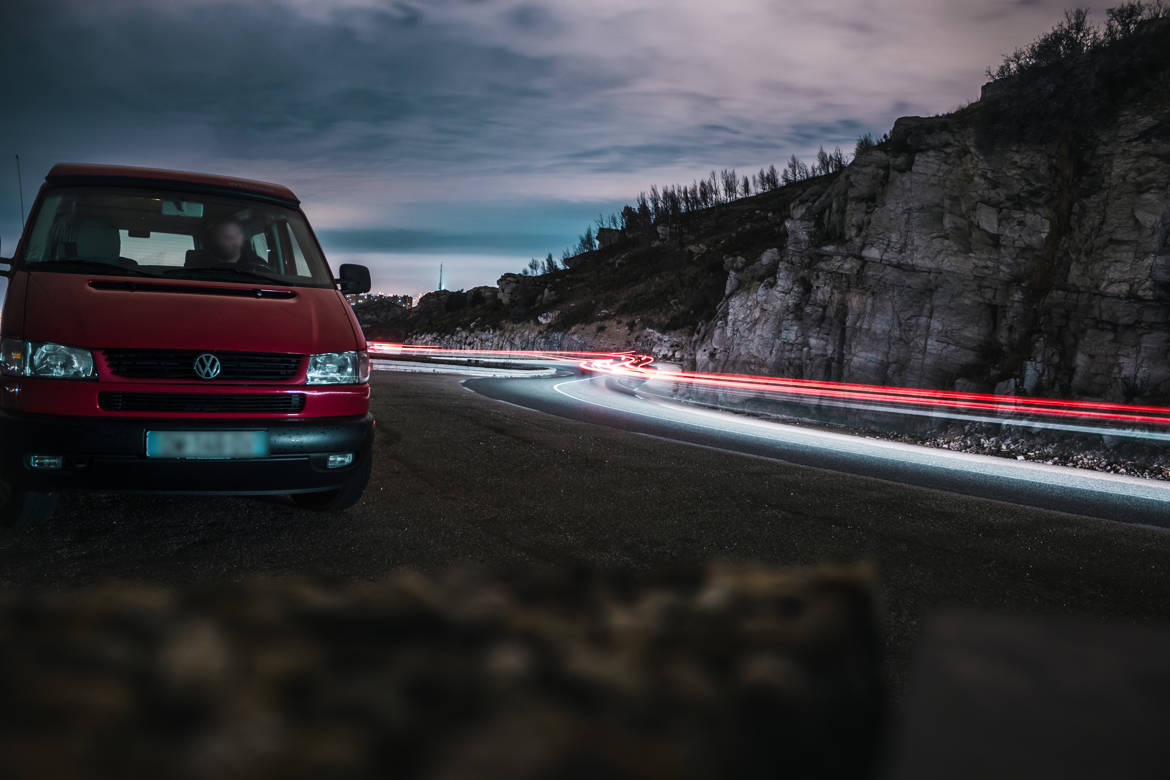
x,y
206,403
180,364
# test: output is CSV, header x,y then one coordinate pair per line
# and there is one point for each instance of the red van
x,y
178,332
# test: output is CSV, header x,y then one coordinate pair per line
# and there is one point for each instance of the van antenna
x,y
20,188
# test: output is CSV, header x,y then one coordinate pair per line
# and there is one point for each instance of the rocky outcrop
x,y
383,319
514,288
1036,262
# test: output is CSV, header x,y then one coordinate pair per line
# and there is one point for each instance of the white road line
x,y
987,465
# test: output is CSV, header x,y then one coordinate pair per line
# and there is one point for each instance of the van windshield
x,y
172,234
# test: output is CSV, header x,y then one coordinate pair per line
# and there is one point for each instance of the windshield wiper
x,y
84,265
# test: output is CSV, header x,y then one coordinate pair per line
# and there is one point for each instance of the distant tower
x,y
440,276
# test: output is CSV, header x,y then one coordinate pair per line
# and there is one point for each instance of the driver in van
x,y
226,244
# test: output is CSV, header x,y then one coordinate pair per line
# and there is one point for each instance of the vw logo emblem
x,y
207,366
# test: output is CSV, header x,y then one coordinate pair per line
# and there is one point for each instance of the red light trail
x,y
635,366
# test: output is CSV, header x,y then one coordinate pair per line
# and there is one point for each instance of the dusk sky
x,y
474,133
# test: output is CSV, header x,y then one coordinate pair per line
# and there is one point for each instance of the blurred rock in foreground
x,y
733,671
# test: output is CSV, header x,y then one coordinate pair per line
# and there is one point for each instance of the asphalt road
x,y
622,404
460,479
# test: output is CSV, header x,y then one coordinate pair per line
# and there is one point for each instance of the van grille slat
x,y
180,364
271,403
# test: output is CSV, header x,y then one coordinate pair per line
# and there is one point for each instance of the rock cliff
x,y
1021,244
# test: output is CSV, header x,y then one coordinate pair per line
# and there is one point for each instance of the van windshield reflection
x,y
174,235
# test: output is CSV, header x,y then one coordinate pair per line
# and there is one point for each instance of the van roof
x,y
83,173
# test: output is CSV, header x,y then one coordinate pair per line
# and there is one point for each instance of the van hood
x,y
104,312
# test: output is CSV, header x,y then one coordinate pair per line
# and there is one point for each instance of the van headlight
x,y
339,368
45,360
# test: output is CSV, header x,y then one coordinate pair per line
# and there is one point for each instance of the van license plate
x,y
206,444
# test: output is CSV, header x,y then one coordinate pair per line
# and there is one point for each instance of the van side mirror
x,y
6,261
354,279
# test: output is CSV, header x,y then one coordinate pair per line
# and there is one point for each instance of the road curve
x,y
604,401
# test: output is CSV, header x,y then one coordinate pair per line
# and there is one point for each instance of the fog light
x,y
46,462
342,459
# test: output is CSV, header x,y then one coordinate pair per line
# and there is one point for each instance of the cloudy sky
x,y
474,133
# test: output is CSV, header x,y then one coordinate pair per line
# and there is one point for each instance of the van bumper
x,y
110,455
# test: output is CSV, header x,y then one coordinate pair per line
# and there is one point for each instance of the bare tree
x,y
837,161
773,178
1124,20
794,171
1074,36
587,243
823,163
672,202
1071,38
730,184
629,218
645,216
745,188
